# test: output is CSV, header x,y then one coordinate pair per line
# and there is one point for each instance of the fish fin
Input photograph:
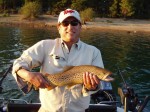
x,y
49,88
70,85
88,86
67,68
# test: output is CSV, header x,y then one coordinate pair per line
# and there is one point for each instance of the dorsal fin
x,y
67,68
64,70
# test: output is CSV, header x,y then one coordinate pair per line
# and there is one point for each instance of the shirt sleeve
x,y
30,58
97,61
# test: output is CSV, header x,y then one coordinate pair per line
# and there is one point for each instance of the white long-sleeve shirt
x,y
53,56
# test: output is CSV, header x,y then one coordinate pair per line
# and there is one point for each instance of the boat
x,y
102,101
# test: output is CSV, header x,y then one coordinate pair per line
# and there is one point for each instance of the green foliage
x,y
103,8
114,9
5,14
31,10
78,4
1,1
127,9
60,5
87,15
122,8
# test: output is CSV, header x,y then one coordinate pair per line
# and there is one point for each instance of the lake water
x,y
130,51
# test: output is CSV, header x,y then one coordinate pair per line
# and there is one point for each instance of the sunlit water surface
x,y
128,51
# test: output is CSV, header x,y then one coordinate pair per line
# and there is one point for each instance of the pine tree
x,y
114,9
126,7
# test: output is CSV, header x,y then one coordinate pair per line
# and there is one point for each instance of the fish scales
x,y
74,75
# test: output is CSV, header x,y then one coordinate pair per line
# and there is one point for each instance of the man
x,y
53,56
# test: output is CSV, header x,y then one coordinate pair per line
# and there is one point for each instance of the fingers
x,y
84,79
90,81
38,80
46,84
96,79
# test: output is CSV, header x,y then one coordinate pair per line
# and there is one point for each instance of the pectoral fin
x,y
49,88
70,85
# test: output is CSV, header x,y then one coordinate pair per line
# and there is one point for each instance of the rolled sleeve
x,y
22,84
30,58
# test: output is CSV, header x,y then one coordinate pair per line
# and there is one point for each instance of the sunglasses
x,y
72,23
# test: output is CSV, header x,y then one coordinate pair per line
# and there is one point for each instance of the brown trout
x,y
74,75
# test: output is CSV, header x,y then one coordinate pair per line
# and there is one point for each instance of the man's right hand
x,y
35,78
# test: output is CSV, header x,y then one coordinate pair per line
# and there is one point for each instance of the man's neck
x,y
69,44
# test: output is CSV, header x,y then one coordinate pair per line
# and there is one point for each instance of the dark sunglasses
x,y
66,23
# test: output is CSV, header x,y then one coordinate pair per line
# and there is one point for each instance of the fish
x,y
73,75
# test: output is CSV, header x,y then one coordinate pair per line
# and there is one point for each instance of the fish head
x,y
103,74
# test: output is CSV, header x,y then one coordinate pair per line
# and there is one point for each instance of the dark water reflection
x,y
130,51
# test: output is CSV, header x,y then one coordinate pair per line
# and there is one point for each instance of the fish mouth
x,y
108,79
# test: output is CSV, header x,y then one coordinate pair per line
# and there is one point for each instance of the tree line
x,y
139,9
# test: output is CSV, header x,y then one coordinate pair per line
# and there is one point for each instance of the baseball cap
x,y
68,13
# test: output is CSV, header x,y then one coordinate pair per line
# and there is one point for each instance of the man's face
x,y
69,30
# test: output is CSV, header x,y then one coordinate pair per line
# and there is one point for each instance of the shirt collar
x,y
77,45
57,49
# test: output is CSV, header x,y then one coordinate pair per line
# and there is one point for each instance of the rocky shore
x,y
46,21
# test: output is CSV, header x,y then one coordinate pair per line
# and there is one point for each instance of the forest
x,y
136,9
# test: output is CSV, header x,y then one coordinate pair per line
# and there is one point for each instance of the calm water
x,y
127,50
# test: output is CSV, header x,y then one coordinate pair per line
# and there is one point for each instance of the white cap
x,y
68,13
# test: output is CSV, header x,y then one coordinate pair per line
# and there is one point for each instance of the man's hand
x,y
37,80
91,81
34,78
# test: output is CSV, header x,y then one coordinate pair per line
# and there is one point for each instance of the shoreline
x,y
47,21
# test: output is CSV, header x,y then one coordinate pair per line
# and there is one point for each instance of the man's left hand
x,y
91,81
